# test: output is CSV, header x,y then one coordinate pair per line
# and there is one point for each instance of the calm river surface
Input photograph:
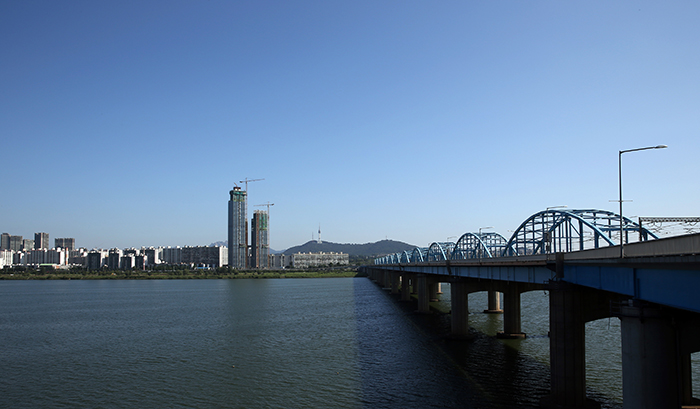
x,y
278,343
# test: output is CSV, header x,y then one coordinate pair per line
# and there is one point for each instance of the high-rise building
x,y
205,256
260,240
65,243
172,255
113,259
152,256
95,259
5,241
16,243
41,241
27,244
237,228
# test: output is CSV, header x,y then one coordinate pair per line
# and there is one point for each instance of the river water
x,y
278,343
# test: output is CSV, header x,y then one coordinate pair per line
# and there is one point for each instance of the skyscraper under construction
x,y
260,241
237,228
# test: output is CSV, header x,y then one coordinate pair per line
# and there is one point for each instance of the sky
x,y
126,123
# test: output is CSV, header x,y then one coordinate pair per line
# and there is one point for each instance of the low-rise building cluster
x,y
35,253
65,255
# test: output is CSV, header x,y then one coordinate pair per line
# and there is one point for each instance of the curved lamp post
x,y
619,164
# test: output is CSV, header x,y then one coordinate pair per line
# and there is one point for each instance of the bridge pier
x,y
434,290
511,317
423,293
383,279
406,287
567,344
460,308
494,304
395,281
655,372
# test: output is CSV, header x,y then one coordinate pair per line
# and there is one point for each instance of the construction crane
x,y
249,180
268,204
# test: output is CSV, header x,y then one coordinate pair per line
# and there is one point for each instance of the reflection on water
x,y
603,343
272,344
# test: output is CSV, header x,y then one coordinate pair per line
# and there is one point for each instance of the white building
x,y
5,258
304,260
171,255
43,256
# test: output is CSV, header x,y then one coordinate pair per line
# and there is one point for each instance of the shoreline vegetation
x,y
169,274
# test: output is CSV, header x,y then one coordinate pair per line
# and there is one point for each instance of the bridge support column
x,y
372,273
405,287
423,293
511,316
387,279
395,279
460,309
494,306
567,345
651,364
434,288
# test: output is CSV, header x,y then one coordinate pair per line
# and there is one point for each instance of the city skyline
x,y
125,124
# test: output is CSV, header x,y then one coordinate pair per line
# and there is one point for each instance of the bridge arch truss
x,y
478,245
552,231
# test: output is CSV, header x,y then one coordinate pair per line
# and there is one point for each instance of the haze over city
x,y
127,123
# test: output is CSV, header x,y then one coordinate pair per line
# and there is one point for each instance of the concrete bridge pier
x,y
434,290
567,343
460,309
511,316
406,287
652,365
395,282
494,305
423,291
372,274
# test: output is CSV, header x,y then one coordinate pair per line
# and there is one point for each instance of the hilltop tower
x,y
237,228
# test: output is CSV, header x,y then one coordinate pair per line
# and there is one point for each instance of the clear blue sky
x,y
126,123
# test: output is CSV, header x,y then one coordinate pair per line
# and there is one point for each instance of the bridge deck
x,y
664,271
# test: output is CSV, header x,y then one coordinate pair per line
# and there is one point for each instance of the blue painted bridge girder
x,y
676,288
526,272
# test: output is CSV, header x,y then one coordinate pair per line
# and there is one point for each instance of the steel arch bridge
x,y
479,245
554,231
547,231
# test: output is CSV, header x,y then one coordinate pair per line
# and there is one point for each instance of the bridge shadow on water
x,y
410,360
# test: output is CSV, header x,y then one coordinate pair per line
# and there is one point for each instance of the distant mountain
x,y
378,248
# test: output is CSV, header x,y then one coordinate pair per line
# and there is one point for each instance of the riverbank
x,y
173,274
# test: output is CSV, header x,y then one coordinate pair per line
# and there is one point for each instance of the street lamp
x,y
480,229
484,228
619,164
